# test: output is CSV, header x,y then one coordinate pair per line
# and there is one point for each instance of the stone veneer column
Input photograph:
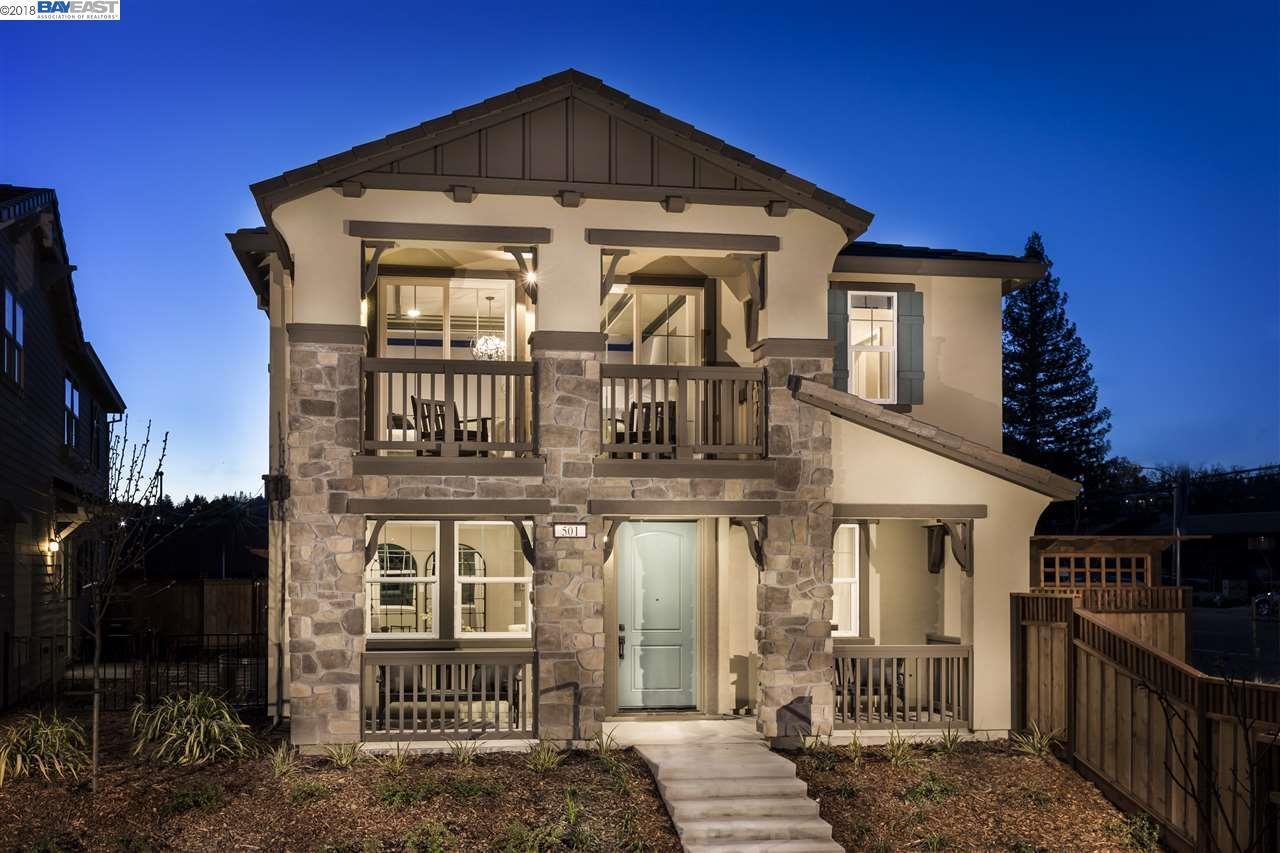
x,y
568,578
793,600
326,550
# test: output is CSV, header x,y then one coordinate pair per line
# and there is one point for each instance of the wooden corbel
x,y
528,276
961,535
526,544
755,529
606,277
610,536
370,272
371,547
757,277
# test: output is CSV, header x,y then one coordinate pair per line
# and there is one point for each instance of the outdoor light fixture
x,y
54,546
531,277
488,347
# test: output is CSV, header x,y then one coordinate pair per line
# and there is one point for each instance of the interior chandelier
x,y
487,347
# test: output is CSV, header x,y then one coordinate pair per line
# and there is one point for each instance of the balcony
x,y
675,418
421,414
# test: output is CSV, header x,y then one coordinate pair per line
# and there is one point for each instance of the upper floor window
x,y
459,319
11,340
873,346
71,423
652,325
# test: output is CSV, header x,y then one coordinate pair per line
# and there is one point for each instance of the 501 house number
x,y
569,531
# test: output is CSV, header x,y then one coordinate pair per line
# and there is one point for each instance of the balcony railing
x,y
922,687
668,412
441,407
455,695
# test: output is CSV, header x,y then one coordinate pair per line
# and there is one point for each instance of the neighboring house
x,y
55,399
578,412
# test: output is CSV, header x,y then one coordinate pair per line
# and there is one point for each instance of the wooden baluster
x,y
682,425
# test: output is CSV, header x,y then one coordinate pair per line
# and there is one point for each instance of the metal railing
x,y
443,407
923,687
669,412
448,695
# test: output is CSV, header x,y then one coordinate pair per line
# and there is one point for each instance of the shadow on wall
x,y
955,410
742,675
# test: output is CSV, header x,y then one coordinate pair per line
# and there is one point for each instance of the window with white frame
x,y
481,562
847,564
873,346
11,338
454,319
402,581
656,325
494,581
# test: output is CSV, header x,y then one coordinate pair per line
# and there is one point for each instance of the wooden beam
x,y
446,507
910,511
693,508
624,238
497,234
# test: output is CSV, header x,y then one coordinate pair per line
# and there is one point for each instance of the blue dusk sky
x,y
1141,139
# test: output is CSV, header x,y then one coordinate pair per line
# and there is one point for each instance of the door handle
x,y
622,642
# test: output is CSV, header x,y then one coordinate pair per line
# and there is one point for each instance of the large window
x,y
847,563
654,325
873,342
462,319
11,339
480,562
71,421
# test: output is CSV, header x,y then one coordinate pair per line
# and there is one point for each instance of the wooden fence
x,y
1192,751
1159,616
198,606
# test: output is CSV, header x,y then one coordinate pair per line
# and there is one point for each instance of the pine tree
x,y
1051,414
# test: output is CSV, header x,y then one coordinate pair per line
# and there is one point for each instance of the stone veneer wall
x,y
794,597
326,551
325,583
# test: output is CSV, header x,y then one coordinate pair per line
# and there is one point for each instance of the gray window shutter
x,y
910,348
838,333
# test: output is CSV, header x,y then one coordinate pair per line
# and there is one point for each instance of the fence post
x,y
1017,664
1204,769
1069,659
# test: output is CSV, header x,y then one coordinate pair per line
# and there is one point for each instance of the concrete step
x,y
750,769
723,807
706,789
795,846
753,829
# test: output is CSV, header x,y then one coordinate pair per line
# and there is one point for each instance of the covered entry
x,y
656,565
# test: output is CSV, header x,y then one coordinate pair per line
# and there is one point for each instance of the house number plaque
x,y
569,531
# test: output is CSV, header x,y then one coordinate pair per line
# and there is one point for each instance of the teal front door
x,y
657,598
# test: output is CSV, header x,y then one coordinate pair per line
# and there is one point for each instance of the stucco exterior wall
x,y
326,259
962,352
873,468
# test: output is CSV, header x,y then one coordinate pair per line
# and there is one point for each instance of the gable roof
x,y
934,439
24,204
568,132
864,256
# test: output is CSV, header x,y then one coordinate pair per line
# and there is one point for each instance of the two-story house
x,y
55,399
583,413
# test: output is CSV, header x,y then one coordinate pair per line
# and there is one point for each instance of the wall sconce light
x,y
531,277
54,546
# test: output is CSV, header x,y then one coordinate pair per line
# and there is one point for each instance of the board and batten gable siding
x,y
31,446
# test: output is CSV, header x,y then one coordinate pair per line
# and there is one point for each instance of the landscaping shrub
x,y
899,750
471,786
464,752
543,757
932,788
192,729
429,837
1137,831
399,792
949,742
206,796
854,750
52,747
1034,742
284,760
307,791
395,762
343,755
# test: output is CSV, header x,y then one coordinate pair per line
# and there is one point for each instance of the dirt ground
x,y
981,797
496,804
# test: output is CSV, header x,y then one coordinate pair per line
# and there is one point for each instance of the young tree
x,y
1051,413
120,529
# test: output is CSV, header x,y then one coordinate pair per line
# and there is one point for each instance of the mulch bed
x,y
983,796
495,804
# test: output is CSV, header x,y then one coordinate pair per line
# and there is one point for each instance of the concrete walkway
x,y
725,790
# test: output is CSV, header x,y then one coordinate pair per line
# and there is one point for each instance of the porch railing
x,y
448,695
666,412
922,687
444,407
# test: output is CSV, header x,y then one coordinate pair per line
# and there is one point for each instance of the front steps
x,y
737,798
